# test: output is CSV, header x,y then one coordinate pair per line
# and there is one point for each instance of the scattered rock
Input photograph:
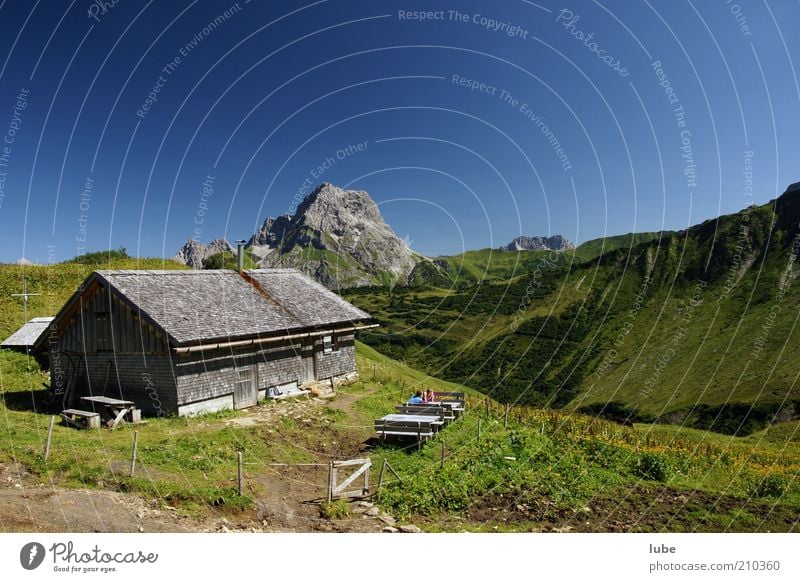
x,y
364,504
389,529
373,511
141,529
410,529
224,529
387,519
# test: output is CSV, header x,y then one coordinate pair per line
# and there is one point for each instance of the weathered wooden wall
x,y
338,362
133,364
210,374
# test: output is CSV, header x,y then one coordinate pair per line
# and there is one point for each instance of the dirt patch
x,y
645,508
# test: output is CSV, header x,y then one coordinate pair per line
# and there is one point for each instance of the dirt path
x,y
288,499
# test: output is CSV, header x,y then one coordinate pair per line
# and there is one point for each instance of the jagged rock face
x,y
193,253
539,243
271,232
339,237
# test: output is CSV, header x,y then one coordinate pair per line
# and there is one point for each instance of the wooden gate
x,y
336,489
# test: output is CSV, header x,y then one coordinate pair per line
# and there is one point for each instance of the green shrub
x,y
336,509
769,485
655,467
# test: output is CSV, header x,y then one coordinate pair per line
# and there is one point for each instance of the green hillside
x,y
55,283
694,327
471,267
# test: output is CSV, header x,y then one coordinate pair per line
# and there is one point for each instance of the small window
x,y
327,344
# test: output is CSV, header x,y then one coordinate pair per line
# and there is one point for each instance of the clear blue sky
x,y
267,97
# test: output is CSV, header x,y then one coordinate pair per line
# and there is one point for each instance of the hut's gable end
x,y
102,322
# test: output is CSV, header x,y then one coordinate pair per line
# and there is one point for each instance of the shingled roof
x,y
194,307
27,335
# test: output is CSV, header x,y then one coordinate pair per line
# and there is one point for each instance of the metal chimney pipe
x,y
240,256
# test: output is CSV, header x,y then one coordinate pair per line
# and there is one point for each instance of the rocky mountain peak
x,y
338,212
271,232
337,236
193,253
539,243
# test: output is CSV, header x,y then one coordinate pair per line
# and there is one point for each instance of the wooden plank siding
x,y
128,332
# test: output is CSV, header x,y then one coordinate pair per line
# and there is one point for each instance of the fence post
x,y
49,436
479,430
240,473
330,481
133,454
419,436
486,401
505,418
380,477
442,466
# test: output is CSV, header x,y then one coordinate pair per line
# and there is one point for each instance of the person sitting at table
x,y
429,395
417,398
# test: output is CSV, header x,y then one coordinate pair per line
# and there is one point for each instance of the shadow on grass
x,y
36,401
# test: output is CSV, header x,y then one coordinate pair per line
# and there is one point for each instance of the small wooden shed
x,y
185,342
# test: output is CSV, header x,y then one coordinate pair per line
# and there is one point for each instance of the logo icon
x,y
31,555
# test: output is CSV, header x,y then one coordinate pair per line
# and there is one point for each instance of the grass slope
x,y
697,327
544,471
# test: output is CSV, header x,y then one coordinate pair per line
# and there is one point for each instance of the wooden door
x,y
307,354
245,391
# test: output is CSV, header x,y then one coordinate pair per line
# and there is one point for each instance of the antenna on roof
x,y
25,296
240,255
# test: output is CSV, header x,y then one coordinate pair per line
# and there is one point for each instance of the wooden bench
x,y
81,418
419,427
443,412
456,400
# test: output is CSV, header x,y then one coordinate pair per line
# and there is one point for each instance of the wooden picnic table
x,y
117,410
455,407
418,426
445,413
